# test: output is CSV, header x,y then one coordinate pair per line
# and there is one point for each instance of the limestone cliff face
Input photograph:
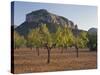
x,y
38,17
43,15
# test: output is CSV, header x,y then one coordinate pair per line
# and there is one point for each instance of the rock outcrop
x,y
42,16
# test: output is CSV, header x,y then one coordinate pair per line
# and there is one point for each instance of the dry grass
x,y
27,60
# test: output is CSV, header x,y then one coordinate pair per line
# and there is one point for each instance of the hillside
x,y
42,16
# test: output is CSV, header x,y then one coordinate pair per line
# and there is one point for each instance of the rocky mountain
x,y
42,16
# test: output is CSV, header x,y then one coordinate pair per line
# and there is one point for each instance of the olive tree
x,y
46,40
92,42
19,41
34,39
81,41
64,37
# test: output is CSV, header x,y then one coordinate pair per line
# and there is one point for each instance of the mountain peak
x,y
42,16
42,10
36,15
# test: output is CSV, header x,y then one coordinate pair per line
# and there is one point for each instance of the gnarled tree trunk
x,y
49,50
37,49
77,52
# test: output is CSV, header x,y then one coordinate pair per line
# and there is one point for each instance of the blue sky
x,y
84,16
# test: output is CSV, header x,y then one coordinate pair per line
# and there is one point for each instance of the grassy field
x,y
27,60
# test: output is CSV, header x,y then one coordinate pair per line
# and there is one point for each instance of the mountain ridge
x,y
34,19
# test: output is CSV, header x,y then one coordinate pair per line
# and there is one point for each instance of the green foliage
x,y
19,41
39,36
33,38
58,37
82,40
69,37
46,36
92,42
64,37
